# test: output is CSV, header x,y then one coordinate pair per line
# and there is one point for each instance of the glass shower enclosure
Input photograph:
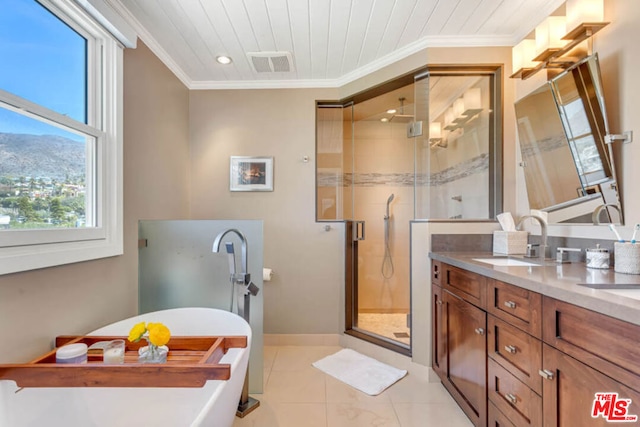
x,y
423,147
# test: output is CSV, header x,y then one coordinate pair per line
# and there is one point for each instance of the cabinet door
x,y
438,334
570,389
466,356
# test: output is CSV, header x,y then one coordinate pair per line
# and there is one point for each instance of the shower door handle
x,y
358,230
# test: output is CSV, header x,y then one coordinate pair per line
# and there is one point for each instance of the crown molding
x,y
389,59
152,43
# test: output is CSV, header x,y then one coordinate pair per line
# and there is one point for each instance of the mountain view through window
x,y
43,161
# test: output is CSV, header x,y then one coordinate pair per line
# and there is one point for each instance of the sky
x,y
42,60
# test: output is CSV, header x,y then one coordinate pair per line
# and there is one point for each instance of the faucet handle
x,y
562,255
533,250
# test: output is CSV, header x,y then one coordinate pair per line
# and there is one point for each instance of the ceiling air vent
x,y
271,62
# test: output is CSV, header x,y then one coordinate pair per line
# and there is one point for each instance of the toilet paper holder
x,y
267,274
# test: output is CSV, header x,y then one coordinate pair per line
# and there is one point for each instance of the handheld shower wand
x,y
387,262
231,258
389,200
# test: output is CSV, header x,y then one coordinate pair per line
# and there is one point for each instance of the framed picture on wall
x,y
251,173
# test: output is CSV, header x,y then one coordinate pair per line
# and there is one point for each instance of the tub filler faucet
x,y
248,288
243,278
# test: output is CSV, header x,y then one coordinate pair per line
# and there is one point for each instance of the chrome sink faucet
x,y
543,233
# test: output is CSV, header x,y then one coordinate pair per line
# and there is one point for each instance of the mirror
x,y
568,167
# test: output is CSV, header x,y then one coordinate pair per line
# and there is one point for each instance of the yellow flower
x,y
137,332
158,334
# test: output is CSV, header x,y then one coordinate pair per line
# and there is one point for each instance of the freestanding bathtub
x,y
213,405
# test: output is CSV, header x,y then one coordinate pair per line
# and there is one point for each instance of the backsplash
x,y
484,243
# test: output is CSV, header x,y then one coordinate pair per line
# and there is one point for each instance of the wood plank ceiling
x,y
331,42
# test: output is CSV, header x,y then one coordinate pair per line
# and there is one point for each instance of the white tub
x,y
214,404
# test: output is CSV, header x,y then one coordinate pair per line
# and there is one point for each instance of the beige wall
x,y
304,295
36,306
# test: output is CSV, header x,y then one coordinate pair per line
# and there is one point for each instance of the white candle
x,y
113,356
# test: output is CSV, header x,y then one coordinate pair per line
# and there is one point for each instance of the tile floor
x,y
385,324
298,395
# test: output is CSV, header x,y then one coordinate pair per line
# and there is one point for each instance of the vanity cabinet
x,y
512,357
586,353
460,345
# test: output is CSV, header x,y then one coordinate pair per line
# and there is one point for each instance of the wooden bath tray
x,y
191,361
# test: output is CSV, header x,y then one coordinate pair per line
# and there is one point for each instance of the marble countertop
x,y
560,281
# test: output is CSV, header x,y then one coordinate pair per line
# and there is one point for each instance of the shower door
x,y
382,159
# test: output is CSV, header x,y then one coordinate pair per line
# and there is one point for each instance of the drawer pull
x,y
511,349
439,302
546,374
510,304
511,398
479,331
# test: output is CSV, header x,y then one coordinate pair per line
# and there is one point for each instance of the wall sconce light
x,y
522,55
449,117
583,12
463,110
437,136
435,132
549,37
472,102
553,42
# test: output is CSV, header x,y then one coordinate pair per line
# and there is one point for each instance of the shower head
x,y
389,200
402,117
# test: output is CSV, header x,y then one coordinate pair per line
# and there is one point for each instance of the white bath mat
x,y
359,371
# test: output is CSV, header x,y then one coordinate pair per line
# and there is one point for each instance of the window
x,y
60,138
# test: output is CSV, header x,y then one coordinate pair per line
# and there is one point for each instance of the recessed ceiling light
x,y
384,119
223,59
392,111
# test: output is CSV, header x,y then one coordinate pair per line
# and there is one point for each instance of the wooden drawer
x,y
469,286
497,418
516,350
513,398
517,306
436,272
607,344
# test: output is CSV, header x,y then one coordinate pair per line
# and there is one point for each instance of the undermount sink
x,y
507,262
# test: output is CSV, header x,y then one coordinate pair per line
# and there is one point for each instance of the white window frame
x,y
22,250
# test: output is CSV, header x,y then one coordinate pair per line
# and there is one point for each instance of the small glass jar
x,y
597,258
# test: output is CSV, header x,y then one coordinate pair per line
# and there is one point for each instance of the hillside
x,y
24,155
